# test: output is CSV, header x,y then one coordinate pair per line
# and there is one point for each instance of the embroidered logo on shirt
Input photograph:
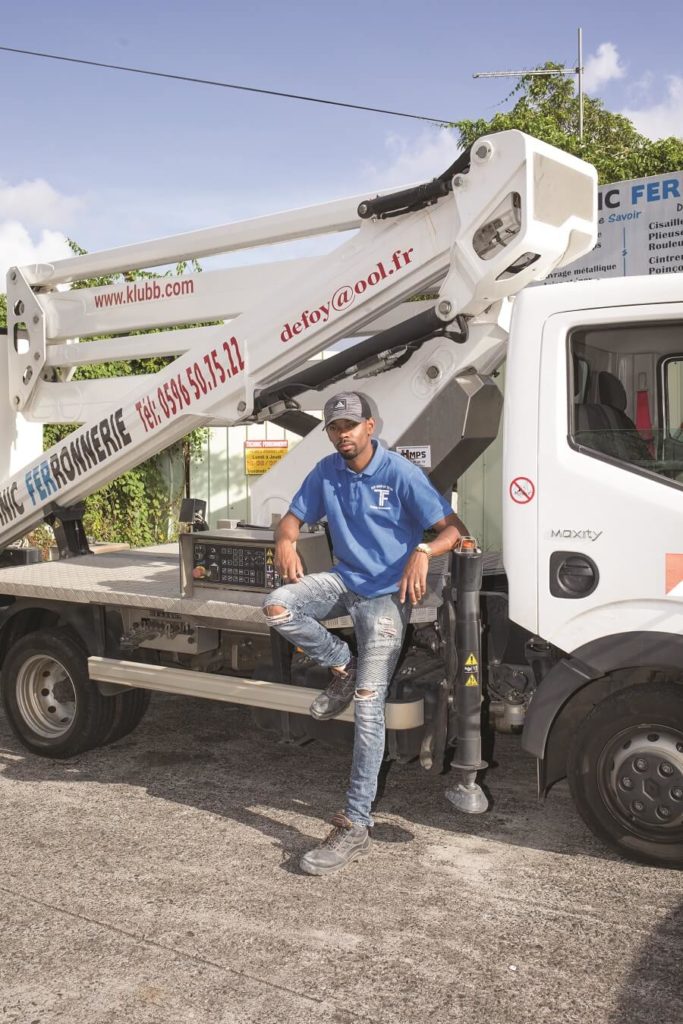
x,y
382,493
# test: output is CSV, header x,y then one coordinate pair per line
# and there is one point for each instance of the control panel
x,y
242,559
242,565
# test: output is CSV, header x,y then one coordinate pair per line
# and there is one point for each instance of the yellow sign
x,y
259,456
472,662
471,681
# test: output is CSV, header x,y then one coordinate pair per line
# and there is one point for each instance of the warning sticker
x,y
471,665
420,454
471,681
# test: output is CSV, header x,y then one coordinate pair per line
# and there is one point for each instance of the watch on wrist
x,y
425,549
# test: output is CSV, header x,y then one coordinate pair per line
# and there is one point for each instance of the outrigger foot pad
x,y
471,799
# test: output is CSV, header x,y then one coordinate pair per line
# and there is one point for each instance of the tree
x,y
547,107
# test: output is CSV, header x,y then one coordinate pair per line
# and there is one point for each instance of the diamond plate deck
x,y
149,579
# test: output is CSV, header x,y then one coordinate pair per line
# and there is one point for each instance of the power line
x,y
224,85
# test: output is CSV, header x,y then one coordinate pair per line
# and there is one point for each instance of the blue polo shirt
x,y
376,517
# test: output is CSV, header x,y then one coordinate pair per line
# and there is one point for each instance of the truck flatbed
x,y
146,578
149,579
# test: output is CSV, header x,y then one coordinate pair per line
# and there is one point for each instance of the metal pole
x,y
579,72
467,795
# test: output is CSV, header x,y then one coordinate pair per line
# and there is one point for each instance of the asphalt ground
x,y
156,881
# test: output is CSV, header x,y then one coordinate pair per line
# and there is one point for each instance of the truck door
x,y
610,474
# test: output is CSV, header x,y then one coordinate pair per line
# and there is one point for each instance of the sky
x,y
108,158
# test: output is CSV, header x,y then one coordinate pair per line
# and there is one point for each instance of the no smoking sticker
x,y
522,490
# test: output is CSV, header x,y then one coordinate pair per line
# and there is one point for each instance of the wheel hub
x,y
46,696
644,773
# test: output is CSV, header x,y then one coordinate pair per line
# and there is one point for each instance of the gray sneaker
x,y
346,842
338,694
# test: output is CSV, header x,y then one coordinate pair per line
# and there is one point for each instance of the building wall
x,y
480,503
220,478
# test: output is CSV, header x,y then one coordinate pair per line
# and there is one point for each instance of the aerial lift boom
x,y
509,211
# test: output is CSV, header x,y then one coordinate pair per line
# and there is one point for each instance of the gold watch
x,y
425,549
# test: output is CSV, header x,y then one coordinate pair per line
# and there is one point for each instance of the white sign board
x,y
420,455
640,231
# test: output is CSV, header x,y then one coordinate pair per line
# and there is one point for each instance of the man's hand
x,y
287,562
414,578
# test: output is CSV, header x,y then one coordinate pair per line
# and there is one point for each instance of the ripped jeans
x,y
380,624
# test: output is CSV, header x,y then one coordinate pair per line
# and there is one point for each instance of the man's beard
x,y
349,453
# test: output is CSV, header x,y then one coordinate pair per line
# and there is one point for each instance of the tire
x,y
129,710
51,704
625,772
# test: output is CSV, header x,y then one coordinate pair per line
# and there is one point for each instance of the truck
x,y
572,636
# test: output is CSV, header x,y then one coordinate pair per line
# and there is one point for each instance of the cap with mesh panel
x,y
347,405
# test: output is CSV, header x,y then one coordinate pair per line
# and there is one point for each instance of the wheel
x,y
51,704
625,772
129,710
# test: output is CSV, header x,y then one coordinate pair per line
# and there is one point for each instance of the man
x,y
377,506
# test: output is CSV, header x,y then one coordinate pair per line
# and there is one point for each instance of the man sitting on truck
x,y
377,506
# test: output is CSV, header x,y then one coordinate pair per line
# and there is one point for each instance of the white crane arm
x,y
522,209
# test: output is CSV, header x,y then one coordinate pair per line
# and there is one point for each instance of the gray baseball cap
x,y
347,405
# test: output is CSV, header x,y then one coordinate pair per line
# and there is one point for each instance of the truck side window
x,y
626,396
